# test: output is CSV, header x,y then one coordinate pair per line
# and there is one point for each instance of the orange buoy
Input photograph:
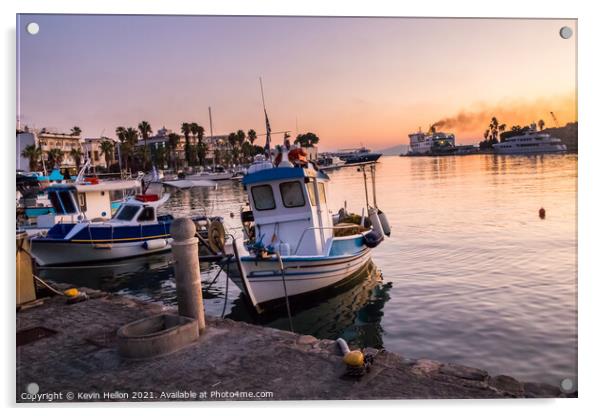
x,y
542,213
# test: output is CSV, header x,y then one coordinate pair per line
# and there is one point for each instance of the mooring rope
x,y
288,306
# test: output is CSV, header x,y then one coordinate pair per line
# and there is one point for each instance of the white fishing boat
x,y
294,246
329,162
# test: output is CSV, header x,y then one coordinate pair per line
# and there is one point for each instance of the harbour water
x,y
470,275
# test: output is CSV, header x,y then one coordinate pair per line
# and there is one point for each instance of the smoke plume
x,y
510,113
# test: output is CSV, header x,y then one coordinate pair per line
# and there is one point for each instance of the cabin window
x,y
62,202
127,212
322,190
147,214
67,202
312,194
292,194
263,197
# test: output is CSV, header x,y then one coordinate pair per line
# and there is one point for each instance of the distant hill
x,y
395,150
568,134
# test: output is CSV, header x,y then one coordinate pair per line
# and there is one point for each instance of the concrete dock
x,y
67,352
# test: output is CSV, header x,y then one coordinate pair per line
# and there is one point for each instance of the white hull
x,y
262,279
211,176
543,148
54,253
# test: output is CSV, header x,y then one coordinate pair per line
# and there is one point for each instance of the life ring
x,y
297,155
216,236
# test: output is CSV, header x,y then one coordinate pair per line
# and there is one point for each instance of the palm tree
x,y
106,149
493,126
187,149
502,128
541,124
201,150
307,140
76,154
161,156
33,153
75,131
252,135
247,149
200,132
232,140
145,131
131,138
55,157
173,140
195,130
120,133
240,139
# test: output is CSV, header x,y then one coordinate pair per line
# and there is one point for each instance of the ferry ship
x,y
431,144
530,141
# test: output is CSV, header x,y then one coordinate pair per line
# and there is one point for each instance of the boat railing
x,y
319,228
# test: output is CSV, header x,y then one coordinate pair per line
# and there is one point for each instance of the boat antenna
x,y
267,123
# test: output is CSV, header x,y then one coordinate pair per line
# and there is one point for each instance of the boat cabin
x,y
83,201
140,209
290,209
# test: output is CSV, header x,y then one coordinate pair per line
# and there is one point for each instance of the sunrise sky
x,y
351,81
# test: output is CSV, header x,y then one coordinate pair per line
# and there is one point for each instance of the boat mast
x,y
267,123
212,139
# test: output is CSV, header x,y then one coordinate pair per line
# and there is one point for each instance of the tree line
x,y
237,148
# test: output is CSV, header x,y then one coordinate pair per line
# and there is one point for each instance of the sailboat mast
x,y
212,139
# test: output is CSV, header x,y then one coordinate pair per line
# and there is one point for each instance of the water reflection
x,y
353,311
149,278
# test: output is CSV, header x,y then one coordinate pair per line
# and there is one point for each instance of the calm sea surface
x,y
470,275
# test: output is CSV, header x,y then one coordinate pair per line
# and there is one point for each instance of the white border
x,y
589,177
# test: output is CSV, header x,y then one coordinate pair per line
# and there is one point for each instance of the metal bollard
x,y
187,270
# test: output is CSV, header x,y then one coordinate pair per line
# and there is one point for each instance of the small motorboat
x,y
218,173
136,229
89,199
293,245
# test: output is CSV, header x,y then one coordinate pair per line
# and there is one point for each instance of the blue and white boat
x,y
136,229
294,246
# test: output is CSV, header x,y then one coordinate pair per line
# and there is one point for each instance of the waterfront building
x,y
93,151
47,141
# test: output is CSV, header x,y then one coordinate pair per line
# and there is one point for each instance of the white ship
x,y
530,141
435,143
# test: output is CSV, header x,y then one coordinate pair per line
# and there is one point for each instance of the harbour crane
x,y
554,118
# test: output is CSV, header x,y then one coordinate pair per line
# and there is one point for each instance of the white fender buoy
x,y
384,223
376,226
156,244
